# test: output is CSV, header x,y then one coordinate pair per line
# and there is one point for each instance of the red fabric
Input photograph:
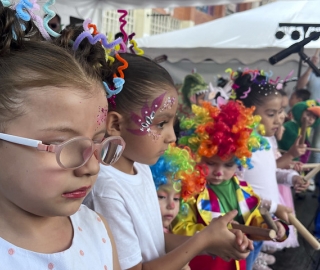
x,y
205,262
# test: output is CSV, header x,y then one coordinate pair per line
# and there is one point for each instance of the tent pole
x,y
300,64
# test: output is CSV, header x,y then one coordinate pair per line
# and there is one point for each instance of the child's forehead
x,y
217,159
168,188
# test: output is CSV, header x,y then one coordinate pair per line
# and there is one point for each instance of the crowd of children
x,y
91,177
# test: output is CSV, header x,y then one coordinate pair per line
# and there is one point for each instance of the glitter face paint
x,y
102,116
148,114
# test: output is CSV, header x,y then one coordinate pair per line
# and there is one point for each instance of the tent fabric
x,y
247,36
132,4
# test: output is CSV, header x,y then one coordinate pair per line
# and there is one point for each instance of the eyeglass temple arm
x,y
27,142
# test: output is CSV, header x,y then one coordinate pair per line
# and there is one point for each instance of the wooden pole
x,y
308,166
303,131
313,149
251,230
268,219
312,173
304,232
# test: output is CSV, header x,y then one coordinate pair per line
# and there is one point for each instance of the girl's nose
x,y
217,173
171,205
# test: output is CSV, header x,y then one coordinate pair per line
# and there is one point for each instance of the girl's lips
x,y
76,194
168,216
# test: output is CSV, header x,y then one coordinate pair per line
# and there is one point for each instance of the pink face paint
x,y
147,115
168,104
154,135
102,116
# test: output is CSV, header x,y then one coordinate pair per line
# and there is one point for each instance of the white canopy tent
x,y
242,39
93,9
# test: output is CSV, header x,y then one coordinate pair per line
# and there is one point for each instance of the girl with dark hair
x,y
254,89
143,115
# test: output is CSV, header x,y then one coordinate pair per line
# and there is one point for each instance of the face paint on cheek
x,y
168,104
145,120
102,116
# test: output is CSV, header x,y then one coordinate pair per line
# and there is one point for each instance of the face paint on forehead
x,y
102,116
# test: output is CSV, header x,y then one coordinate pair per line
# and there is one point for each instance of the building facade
x,y
147,22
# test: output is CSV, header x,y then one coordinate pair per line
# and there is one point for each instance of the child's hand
x,y
299,184
281,230
296,165
279,133
282,212
297,149
222,242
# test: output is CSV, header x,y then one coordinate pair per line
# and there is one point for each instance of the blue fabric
x,y
253,254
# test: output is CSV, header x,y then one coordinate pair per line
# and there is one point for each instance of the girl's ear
x,y
114,120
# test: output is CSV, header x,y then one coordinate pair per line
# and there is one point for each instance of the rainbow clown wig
x,y
229,132
177,167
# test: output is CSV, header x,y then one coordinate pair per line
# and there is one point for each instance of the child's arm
x,y
286,177
214,239
296,150
290,136
116,264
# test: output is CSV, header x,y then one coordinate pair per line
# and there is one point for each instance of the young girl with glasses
x,y
53,111
143,115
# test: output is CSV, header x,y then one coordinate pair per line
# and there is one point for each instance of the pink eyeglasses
x,y
76,152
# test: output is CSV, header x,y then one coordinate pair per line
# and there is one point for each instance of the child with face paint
x,y
177,179
223,140
49,159
253,89
143,114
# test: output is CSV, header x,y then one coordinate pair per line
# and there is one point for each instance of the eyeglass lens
x,y
78,152
111,151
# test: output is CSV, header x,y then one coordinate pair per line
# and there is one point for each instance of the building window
x,y
206,9
111,24
162,24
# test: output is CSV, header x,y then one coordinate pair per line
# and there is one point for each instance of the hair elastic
x,y
6,3
50,14
22,8
38,20
118,82
123,23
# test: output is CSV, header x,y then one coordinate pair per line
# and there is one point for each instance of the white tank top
x,y
91,249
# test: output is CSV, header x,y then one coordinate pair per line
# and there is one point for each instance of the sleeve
x,y
284,177
289,136
122,228
187,225
257,221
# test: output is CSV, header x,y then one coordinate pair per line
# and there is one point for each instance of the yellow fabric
x,y
188,225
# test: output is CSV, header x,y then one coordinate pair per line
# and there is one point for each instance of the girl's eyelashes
x,y
161,124
229,165
160,197
208,162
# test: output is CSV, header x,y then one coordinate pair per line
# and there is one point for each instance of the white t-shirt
x,y
314,86
91,248
130,205
262,177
